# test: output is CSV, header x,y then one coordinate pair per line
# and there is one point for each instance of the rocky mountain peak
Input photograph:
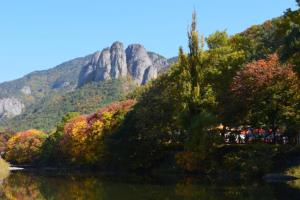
x,y
117,45
115,62
118,60
138,61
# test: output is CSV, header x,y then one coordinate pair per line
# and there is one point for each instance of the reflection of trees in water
x,y
23,186
239,191
295,184
72,187
212,192
20,186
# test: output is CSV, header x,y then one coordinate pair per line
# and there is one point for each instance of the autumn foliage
x,y
263,73
267,93
4,137
239,81
84,136
25,147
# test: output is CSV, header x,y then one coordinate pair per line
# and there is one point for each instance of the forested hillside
x,y
279,35
47,112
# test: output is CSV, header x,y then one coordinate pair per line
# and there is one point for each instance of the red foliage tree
x,y
267,93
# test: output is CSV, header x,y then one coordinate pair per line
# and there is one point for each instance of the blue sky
x,y
36,35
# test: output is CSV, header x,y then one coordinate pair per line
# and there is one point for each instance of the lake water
x,y
32,186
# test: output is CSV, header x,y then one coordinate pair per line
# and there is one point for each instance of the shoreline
x,y
16,169
268,178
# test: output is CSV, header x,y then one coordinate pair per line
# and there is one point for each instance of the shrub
x,y
4,137
25,147
239,160
246,160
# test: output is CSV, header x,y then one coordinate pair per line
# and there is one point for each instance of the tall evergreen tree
x,y
196,94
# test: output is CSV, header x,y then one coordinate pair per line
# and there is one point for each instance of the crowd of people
x,y
253,135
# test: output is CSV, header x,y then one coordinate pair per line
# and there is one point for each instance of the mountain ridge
x,y
19,94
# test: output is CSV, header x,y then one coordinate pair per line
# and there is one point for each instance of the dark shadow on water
x,y
52,186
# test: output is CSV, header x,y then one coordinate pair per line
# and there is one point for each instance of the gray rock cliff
x,y
118,61
11,107
104,66
138,61
87,73
115,62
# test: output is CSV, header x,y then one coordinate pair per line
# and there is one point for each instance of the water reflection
x,y
295,184
31,186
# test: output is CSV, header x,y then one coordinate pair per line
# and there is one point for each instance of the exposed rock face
x,y
159,62
10,107
88,74
149,74
118,60
138,61
26,90
104,66
115,62
110,63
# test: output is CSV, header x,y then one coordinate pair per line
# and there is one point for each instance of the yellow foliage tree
x,y
84,136
25,147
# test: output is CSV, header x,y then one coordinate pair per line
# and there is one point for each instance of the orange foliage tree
x,y
25,147
84,136
4,137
